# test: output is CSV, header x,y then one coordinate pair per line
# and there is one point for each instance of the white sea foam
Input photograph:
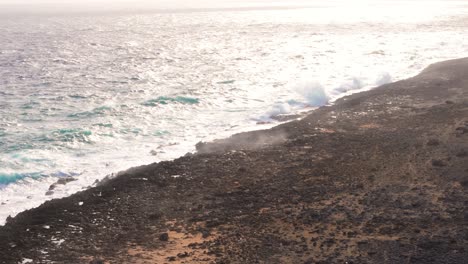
x,y
279,109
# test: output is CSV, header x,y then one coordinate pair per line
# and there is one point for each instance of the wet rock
x,y
263,122
65,180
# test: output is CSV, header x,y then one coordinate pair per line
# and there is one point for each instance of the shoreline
x,y
377,176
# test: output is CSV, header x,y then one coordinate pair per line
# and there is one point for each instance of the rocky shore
x,y
379,177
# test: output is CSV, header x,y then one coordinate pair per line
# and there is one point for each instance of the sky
x,y
147,3
64,6
112,5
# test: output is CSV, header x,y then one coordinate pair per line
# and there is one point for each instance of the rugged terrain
x,y
379,177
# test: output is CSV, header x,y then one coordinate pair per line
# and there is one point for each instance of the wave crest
x,y
164,100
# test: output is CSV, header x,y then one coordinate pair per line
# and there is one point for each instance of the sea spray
x,y
313,92
383,78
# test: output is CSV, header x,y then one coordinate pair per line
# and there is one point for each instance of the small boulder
x,y
183,255
462,153
433,142
438,163
461,130
96,261
164,237
65,180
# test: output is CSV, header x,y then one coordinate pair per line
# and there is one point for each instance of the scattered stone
x,y
462,130
205,233
96,261
183,255
433,142
449,102
438,163
155,216
48,193
164,237
172,258
462,153
464,183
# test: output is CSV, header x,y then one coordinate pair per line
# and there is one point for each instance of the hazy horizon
x,y
73,6
52,6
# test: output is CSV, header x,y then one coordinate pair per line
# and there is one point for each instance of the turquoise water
x,y
163,100
99,111
14,177
67,135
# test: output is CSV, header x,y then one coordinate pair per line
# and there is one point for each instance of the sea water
x,y
85,96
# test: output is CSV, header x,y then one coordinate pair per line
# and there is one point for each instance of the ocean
x,y
89,95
